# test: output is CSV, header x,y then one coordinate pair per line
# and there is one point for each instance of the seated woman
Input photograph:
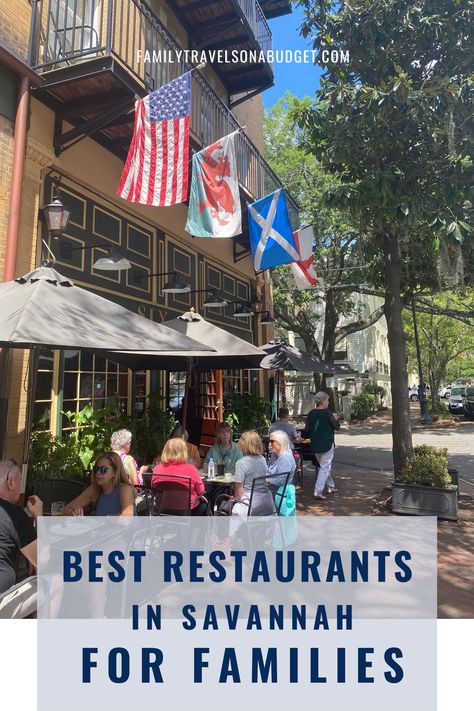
x,y
224,451
110,490
174,462
251,466
120,442
281,459
193,452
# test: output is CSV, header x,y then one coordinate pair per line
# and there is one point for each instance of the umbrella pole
x,y
278,393
219,395
187,385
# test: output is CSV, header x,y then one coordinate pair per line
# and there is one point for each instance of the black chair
x,y
173,495
50,490
274,487
273,482
299,461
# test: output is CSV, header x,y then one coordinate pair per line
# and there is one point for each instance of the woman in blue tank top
x,y
110,490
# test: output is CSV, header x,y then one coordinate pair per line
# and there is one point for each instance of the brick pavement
x,y
366,493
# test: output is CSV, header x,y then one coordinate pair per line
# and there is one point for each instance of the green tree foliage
x,y
392,125
444,340
337,245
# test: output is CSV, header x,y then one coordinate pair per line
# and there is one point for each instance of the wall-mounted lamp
x,y
267,319
175,285
113,261
243,311
213,300
56,216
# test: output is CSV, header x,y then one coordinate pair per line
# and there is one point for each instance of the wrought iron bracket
x,y
240,249
64,140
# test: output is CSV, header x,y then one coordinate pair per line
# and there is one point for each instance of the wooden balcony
x,y
93,67
232,25
276,8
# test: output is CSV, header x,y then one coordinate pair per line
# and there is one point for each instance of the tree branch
x,y
359,289
361,325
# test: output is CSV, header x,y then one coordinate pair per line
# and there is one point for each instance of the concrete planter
x,y
425,501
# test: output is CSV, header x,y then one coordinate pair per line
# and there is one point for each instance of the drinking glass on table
x,y
57,508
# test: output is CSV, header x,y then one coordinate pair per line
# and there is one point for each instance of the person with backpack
x,y
321,425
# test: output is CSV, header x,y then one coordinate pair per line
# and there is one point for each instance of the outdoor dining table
x,y
228,480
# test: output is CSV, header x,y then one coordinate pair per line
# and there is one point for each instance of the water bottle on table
x,y
211,469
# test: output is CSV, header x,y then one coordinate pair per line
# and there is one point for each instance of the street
x,y
369,445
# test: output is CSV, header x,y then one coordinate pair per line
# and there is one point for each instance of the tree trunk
x,y
401,427
331,319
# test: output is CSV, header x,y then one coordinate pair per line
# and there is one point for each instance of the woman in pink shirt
x,y
174,462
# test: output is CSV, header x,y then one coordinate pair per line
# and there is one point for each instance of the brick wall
x,y
15,20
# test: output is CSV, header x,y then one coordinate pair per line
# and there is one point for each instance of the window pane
x,y
71,360
42,415
86,361
70,386
86,385
111,385
45,360
100,364
43,386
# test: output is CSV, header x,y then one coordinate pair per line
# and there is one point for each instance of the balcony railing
x,y
258,23
131,33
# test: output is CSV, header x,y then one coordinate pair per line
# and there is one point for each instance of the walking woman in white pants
x,y
321,425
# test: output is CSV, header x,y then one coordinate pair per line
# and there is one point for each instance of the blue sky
x,y
300,79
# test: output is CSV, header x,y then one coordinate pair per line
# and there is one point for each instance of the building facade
x,y
82,63
366,353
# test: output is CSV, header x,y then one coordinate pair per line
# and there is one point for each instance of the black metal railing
x,y
66,32
258,23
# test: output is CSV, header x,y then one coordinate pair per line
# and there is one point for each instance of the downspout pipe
x,y
13,228
19,144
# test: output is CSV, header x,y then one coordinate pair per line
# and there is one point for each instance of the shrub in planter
x,y
426,469
424,486
362,406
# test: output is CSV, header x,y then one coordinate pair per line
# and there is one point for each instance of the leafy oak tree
x,y
444,340
338,254
392,126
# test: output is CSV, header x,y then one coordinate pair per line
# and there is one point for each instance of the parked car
x,y
468,402
456,399
445,392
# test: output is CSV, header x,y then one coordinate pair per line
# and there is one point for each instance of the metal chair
x,y
173,495
273,484
50,490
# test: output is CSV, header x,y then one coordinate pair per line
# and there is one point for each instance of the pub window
x,y
176,387
237,382
89,378
44,390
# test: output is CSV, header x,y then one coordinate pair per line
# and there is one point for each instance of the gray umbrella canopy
x,y
230,351
281,356
43,308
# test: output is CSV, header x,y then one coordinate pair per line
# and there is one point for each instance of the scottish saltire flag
x,y
271,236
214,200
303,270
156,169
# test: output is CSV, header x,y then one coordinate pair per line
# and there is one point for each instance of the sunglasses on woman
x,y
101,470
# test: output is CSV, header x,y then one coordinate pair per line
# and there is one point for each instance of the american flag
x,y
156,169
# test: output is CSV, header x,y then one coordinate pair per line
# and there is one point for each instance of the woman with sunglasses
x,y
110,491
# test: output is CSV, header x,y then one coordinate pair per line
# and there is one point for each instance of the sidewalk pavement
x,y
367,493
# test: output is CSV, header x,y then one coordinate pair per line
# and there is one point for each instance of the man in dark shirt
x,y
16,534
